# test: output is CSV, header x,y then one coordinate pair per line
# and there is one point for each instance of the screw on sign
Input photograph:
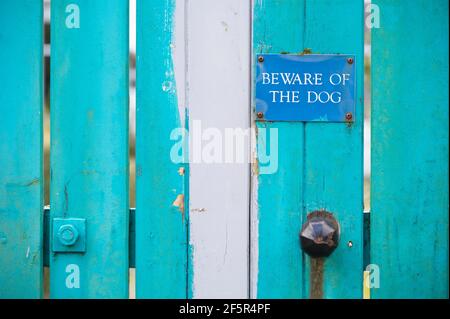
x,y
349,116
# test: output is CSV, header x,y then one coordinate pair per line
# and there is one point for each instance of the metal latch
x,y
319,237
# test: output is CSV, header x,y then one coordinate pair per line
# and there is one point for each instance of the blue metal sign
x,y
311,87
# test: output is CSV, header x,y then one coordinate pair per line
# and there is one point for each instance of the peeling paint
x,y
225,25
198,210
66,199
254,150
255,166
179,202
33,182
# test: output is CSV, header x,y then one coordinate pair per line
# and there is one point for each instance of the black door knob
x,y
319,236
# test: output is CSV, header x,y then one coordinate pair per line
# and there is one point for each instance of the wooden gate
x,y
219,228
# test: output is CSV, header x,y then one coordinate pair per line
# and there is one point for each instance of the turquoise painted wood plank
x,y
333,151
89,144
161,221
311,157
278,27
409,223
21,161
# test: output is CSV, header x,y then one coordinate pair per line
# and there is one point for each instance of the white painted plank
x,y
218,88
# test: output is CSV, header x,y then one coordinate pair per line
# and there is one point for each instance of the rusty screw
x,y
349,116
350,60
261,58
260,115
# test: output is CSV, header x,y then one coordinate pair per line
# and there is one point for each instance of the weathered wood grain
x,y
409,204
21,149
89,144
161,216
319,164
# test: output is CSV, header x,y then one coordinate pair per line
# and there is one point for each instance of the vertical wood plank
x,y
278,27
89,144
218,42
21,149
161,219
311,157
410,149
333,151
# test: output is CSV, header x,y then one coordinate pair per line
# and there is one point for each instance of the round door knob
x,y
319,236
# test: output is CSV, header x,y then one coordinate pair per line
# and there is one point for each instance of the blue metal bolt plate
x,y
313,87
69,235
